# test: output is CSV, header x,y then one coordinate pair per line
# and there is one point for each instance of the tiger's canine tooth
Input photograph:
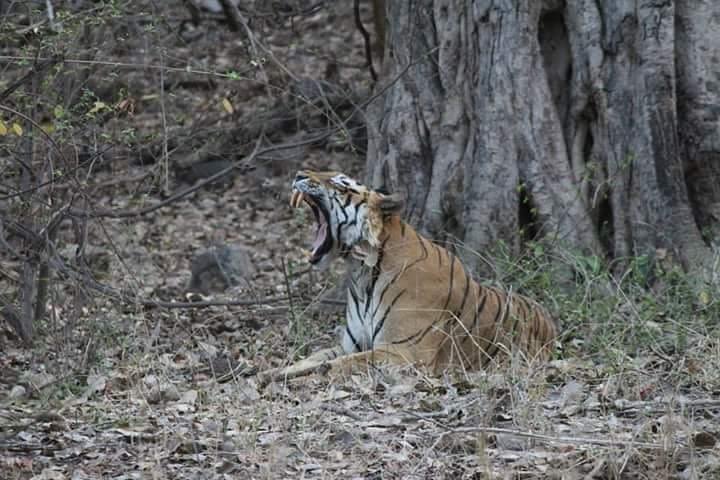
x,y
296,199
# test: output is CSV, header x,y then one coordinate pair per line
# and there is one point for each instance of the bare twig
x,y
43,283
341,411
165,161
232,14
51,16
27,294
366,38
288,291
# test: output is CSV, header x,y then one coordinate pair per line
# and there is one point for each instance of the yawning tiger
x,y
409,300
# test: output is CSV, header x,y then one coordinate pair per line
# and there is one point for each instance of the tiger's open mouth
x,y
323,240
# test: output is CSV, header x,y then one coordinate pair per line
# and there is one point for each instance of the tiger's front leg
x,y
341,364
304,367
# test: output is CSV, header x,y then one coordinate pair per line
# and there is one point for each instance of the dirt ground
x,y
122,390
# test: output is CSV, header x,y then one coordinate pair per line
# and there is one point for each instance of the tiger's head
x,y
347,212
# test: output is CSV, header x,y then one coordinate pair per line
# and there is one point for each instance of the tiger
x,y
409,300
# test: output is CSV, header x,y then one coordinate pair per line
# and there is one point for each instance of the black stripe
x,y
515,320
337,231
387,287
348,201
340,205
492,351
374,278
379,326
344,220
402,229
420,333
467,288
355,300
352,337
526,316
349,224
457,314
424,254
450,287
478,310
439,253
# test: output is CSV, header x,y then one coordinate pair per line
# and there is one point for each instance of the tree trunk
x,y
698,92
567,121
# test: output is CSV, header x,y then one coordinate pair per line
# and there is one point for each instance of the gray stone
x,y
219,268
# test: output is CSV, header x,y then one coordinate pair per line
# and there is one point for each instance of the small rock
x,y
704,440
572,393
219,268
96,383
202,170
18,391
151,381
38,380
162,392
153,396
170,392
189,397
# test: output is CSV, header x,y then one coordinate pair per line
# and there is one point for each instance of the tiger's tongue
x,y
319,237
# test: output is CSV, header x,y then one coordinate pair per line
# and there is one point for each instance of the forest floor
x,y
118,389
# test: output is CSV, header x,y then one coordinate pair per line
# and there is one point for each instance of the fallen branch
x,y
654,406
341,411
543,437
552,439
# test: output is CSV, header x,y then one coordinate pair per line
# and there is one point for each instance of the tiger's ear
x,y
380,207
390,203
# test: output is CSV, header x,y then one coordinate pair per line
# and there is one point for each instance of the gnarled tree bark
x,y
590,124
